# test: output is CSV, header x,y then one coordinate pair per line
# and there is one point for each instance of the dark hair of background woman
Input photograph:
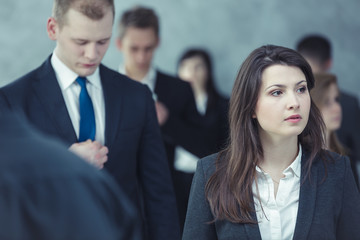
x,y
229,189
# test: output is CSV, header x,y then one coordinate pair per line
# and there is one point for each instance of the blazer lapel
x,y
252,230
307,201
158,89
113,103
48,91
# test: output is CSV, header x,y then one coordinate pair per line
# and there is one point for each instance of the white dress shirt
x,y
277,217
149,79
71,90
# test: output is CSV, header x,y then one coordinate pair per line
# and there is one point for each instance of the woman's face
x,y
283,105
193,70
331,109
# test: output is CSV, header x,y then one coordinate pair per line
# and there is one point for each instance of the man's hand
x,y
161,112
92,152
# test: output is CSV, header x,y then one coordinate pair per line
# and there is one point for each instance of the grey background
x,y
229,29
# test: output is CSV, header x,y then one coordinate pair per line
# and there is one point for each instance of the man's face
x,y
138,46
81,42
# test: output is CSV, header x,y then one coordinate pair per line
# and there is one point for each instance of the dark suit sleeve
x,y
349,219
159,197
199,215
185,128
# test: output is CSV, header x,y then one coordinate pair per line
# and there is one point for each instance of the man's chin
x,y
85,72
143,68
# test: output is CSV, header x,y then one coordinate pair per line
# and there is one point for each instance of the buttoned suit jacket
x,y
329,208
136,157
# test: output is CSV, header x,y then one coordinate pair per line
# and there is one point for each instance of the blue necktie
x,y
87,116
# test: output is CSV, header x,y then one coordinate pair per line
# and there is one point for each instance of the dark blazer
x,y
216,124
46,192
328,209
136,156
349,132
184,125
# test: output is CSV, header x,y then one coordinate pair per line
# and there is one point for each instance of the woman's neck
x,y
136,74
327,139
278,154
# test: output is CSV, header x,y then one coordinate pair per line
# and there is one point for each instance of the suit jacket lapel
x,y
113,103
158,89
252,230
49,93
307,201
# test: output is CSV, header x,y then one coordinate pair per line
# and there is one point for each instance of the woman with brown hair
x,y
274,180
326,96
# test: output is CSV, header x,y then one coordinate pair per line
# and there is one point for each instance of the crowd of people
x,y
135,153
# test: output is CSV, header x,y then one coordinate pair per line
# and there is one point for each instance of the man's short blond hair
x,y
93,9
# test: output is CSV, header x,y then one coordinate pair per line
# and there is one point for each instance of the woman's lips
x,y
294,118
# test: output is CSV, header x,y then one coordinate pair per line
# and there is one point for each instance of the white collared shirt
x,y
149,79
201,103
71,91
277,217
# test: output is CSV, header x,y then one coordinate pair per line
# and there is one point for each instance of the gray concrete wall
x,y
229,29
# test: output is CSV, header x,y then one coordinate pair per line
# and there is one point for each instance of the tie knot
x,y
81,81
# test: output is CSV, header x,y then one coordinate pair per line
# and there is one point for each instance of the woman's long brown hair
x,y
229,189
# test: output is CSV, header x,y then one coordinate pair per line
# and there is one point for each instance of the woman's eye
x,y
302,89
276,93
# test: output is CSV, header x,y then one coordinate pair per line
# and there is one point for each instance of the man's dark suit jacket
x,y
349,132
328,209
46,192
136,158
183,126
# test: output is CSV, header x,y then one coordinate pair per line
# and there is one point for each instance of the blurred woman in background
x,y
195,67
326,96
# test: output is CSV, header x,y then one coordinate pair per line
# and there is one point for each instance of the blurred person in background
x,y
317,50
195,67
180,123
46,192
326,96
138,39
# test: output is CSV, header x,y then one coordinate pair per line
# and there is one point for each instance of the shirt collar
x,y
201,102
294,167
66,76
149,79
